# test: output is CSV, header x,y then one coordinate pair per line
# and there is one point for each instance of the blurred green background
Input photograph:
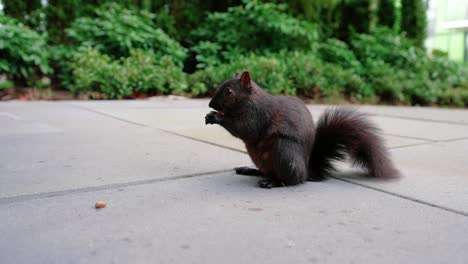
x,y
409,52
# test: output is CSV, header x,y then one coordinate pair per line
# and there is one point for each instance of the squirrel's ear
x,y
245,79
237,75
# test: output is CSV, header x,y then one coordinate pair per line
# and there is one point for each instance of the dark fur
x,y
282,140
343,132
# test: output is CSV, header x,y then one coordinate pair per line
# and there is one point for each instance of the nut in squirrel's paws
x,y
213,117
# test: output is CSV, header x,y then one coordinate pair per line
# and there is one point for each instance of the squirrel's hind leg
x,y
290,166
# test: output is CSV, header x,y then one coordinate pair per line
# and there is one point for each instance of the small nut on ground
x,y
100,204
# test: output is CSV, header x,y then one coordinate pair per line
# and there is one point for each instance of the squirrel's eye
x,y
228,91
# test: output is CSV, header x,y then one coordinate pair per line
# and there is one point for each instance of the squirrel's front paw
x,y
212,118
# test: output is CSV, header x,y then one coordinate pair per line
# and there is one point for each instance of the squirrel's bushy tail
x,y
342,132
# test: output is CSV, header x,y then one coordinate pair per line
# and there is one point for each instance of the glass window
x,y
456,10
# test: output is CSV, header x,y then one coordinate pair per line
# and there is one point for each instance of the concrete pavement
x,y
173,197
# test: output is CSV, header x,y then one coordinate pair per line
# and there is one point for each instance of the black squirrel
x,y
283,142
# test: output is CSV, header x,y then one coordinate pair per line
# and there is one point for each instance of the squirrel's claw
x,y
269,183
266,183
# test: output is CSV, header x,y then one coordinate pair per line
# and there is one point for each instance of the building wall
x,y
452,41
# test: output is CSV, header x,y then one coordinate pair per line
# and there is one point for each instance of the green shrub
x,y
23,52
268,72
285,73
141,72
60,58
315,78
93,71
338,52
207,54
166,22
419,91
254,27
116,30
393,85
385,81
454,97
400,72
445,70
6,85
148,73
439,53
384,45
304,70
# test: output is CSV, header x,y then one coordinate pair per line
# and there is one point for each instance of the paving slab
x,y
219,136
435,173
42,152
190,122
400,133
159,102
421,129
393,121
442,115
168,203
409,128
431,114
60,116
170,119
13,124
226,219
